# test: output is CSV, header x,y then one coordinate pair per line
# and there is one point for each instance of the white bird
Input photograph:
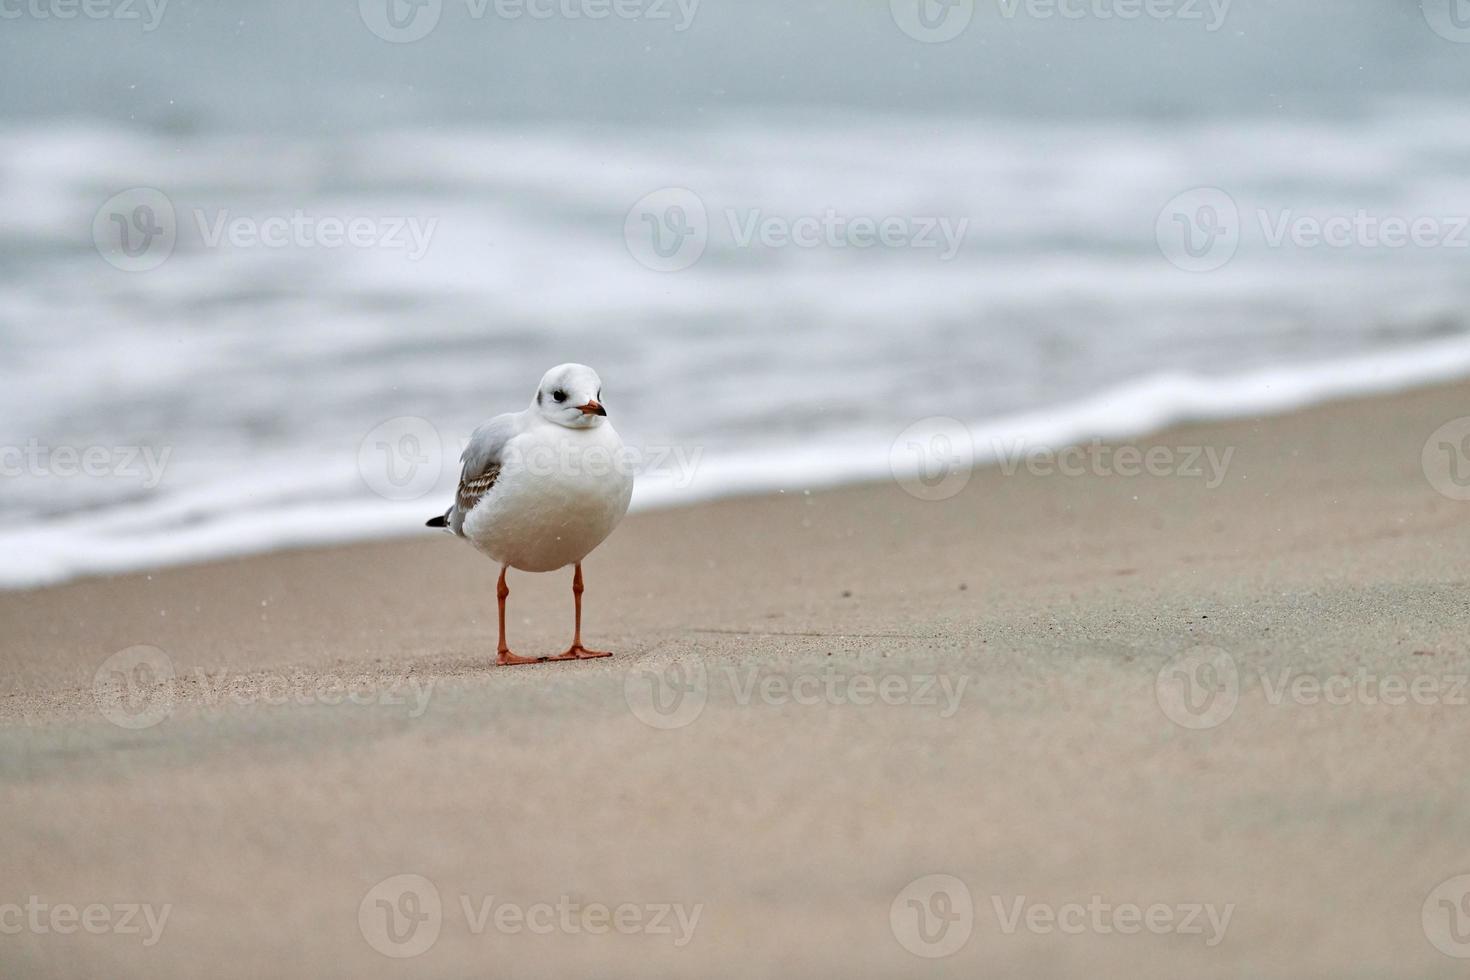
x,y
539,489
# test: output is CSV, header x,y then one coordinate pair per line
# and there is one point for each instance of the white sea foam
x,y
288,508
261,370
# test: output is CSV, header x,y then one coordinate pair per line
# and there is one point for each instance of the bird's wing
x,y
480,465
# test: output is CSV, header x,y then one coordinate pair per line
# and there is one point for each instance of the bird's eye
x,y
559,395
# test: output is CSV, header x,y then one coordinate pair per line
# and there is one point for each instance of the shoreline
x,y
1133,411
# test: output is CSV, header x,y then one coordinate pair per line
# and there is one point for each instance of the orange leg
x,y
576,651
503,655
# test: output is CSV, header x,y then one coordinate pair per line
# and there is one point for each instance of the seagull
x,y
541,488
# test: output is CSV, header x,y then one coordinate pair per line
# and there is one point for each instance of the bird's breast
x,y
557,498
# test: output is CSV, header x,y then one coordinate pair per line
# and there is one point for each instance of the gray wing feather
x,y
480,466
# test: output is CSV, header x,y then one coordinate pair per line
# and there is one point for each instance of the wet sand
x,y
1144,726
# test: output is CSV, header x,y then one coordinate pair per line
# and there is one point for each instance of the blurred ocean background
x,y
273,377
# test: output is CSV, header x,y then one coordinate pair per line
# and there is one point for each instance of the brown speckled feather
x,y
470,491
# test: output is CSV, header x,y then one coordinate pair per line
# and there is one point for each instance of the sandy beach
x,y
1143,726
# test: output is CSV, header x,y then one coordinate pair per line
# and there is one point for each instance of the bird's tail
x,y
441,521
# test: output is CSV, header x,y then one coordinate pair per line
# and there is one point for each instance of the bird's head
x,y
571,395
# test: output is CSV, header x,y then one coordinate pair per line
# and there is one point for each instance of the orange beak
x,y
592,408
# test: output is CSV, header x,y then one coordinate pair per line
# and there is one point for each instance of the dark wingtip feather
x,y
439,521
